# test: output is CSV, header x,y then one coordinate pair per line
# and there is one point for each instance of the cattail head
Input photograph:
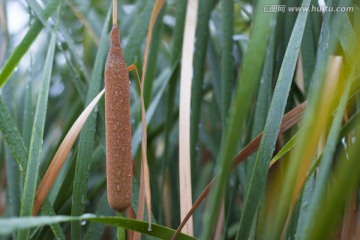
x,y
118,127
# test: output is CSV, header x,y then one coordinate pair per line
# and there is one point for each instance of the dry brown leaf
x,y
145,175
61,154
184,113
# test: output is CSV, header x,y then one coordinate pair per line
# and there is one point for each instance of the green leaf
x,y
202,34
227,56
348,39
28,115
263,101
31,176
13,178
308,48
10,225
288,146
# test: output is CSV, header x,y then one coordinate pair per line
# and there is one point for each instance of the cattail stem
x,y
114,12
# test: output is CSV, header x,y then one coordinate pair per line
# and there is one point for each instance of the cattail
x,y
118,128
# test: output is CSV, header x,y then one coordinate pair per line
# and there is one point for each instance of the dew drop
x,y
83,222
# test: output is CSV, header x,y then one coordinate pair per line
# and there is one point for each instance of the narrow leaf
x,y
12,224
184,113
36,139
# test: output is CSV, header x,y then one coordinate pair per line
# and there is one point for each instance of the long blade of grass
x,y
249,80
28,115
201,38
36,139
214,65
308,48
184,113
301,208
348,38
10,225
86,142
227,56
13,178
263,100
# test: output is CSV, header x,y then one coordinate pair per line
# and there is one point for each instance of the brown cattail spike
x,y
118,128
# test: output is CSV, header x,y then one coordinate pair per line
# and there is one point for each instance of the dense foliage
x,y
254,61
